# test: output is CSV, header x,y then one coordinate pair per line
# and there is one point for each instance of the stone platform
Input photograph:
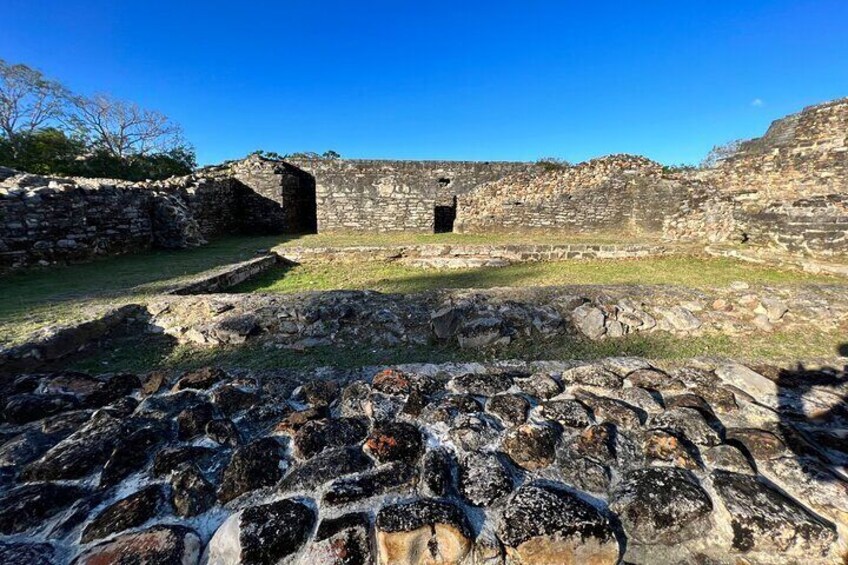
x,y
453,256
544,462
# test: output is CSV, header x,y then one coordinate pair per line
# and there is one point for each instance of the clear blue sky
x,y
452,80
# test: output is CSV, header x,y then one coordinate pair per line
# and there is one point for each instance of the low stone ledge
x,y
226,277
461,256
57,342
481,318
772,257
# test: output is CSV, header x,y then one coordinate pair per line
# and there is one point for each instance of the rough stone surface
x,y
617,456
547,525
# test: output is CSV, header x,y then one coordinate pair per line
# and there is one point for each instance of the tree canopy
x,y
47,129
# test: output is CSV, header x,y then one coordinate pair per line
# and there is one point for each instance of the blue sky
x,y
446,80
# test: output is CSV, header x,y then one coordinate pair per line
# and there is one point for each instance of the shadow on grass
x,y
395,277
23,293
140,354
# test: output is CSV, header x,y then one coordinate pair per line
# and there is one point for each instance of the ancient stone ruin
x,y
620,460
785,190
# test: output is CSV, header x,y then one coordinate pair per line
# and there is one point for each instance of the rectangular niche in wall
x,y
444,217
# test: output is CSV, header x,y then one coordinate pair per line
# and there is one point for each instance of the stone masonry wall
x,y
279,197
613,194
386,196
45,220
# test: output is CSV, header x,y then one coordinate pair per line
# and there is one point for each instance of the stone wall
x,y
386,196
45,220
801,155
279,197
613,194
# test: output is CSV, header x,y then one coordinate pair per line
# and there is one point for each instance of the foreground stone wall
x,y
617,461
386,196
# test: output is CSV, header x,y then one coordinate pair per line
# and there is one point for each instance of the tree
x,y
720,152
330,154
44,151
124,129
550,164
28,102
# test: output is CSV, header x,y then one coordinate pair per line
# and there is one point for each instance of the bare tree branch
x,y
28,101
123,128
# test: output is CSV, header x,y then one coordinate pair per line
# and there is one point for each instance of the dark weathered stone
x,y
129,512
297,419
192,421
231,399
436,473
191,493
472,432
661,505
200,379
610,410
158,544
170,459
510,408
568,413
764,520
169,405
541,524
762,444
531,447
132,453
482,384
223,432
318,393
540,385
328,465
369,483
80,453
342,541
23,408
591,375
583,473
253,466
264,535
687,423
317,435
483,478
26,507
395,441
24,553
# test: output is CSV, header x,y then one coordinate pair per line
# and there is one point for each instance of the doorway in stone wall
x,y
444,217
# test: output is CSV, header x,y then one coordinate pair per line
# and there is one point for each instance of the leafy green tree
x,y
44,151
28,103
48,130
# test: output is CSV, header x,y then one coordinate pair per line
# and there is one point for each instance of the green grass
x,y
348,239
33,298
157,353
697,272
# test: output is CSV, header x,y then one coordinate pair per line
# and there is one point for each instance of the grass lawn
x,y
31,299
698,272
348,239
784,348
